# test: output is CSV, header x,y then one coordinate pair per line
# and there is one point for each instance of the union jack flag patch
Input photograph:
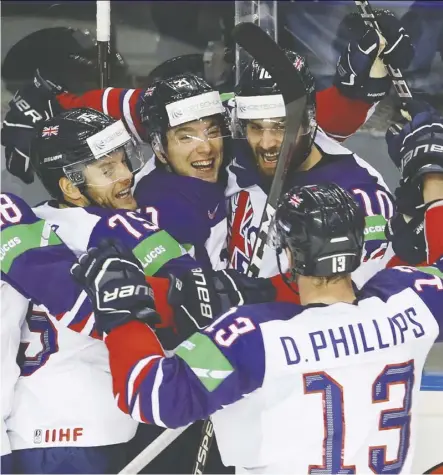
x,y
298,63
48,131
296,201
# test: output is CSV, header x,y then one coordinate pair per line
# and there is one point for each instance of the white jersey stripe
x,y
105,100
127,114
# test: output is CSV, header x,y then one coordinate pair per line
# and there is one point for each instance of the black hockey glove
x,y
353,77
416,148
116,285
407,236
30,105
198,297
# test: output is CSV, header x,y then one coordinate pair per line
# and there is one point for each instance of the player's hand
x,y
416,148
360,70
407,235
116,285
199,296
30,105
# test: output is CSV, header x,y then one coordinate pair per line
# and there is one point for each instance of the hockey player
x,y
260,114
56,403
263,370
260,119
147,113
86,161
55,335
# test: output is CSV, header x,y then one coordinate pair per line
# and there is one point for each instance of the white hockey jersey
x,y
292,389
63,396
14,308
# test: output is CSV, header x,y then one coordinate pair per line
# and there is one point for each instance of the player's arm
x,y
416,148
43,99
211,369
361,80
117,102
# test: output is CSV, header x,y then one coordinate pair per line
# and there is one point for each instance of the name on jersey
x,y
355,338
152,255
7,246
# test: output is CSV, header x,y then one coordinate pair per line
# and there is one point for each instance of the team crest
x,y
241,232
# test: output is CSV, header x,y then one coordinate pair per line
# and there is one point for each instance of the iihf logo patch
x,y
296,201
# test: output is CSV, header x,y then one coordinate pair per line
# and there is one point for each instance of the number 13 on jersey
x,y
398,419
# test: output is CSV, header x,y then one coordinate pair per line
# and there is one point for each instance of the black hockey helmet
x,y
66,56
323,227
67,144
258,96
177,100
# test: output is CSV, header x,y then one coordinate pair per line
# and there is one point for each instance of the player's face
x,y
265,137
195,149
109,182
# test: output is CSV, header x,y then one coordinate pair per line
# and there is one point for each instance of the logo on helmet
x,y
50,131
298,63
101,144
181,83
177,113
295,201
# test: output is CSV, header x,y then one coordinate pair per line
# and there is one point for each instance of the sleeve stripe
x,y
138,368
136,411
127,114
113,102
69,316
155,397
105,100
87,329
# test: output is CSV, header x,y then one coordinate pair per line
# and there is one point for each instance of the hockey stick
x,y
266,52
274,60
104,41
152,450
400,85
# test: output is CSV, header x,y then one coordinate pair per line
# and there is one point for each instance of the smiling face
x,y
265,137
195,149
108,182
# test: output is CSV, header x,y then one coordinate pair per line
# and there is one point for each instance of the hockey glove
x,y
198,297
416,148
360,71
407,236
30,105
116,285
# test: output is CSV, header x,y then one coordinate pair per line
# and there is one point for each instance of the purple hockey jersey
x,y
193,211
82,228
